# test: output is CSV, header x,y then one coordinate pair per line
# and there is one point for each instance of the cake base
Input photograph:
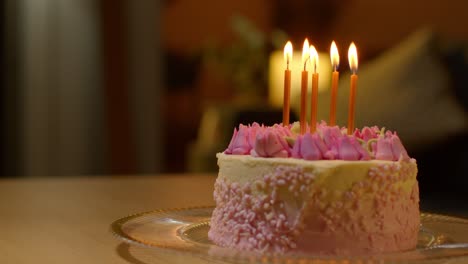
x,y
321,207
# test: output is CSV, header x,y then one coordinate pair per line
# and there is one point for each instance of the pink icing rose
x,y
243,140
321,146
390,148
253,131
357,133
296,150
271,142
329,134
327,143
307,148
398,149
230,147
346,150
383,150
368,134
331,137
364,154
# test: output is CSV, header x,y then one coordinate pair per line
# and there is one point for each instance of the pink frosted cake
x,y
321,193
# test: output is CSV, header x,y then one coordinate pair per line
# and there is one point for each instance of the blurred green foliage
x,y
244,61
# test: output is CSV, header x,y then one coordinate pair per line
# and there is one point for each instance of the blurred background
x,y
118,87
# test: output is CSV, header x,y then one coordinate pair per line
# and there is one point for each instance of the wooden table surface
x,y
66,220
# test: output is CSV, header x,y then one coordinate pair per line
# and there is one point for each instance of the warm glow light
x,y
305,53
352,58
314,59
334,56
288,51
276,69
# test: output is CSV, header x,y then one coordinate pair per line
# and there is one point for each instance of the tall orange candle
x,y
288,50
335,61
305,73
353,65
314,95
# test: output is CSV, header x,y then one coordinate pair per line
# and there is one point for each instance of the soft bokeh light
x,y
276,75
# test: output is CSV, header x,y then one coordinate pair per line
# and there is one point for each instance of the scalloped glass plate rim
x,y
437,250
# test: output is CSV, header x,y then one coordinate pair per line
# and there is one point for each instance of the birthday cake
x,y
325,192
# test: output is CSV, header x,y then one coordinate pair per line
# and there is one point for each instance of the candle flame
x,y
305,53
352,58
334,56
314,59
288,52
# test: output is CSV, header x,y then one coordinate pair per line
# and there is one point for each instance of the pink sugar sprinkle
x,y
262,219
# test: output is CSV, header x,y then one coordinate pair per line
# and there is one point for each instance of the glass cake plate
x,y
442,239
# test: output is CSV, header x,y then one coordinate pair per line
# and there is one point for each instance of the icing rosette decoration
x,y
327,143
350,149
271,142
309,147
243,140
389,147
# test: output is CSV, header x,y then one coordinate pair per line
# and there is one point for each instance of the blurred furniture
x,y
180,108
82,87
132,85
57,100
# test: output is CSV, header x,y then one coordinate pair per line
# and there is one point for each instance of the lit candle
x,y
288,51
353,65
313,105
335,61
305,59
